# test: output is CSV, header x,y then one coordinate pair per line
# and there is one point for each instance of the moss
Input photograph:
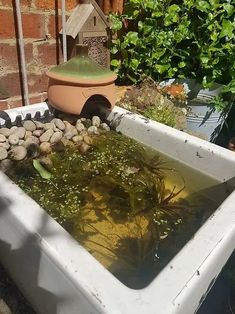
x,y
166,114
151,101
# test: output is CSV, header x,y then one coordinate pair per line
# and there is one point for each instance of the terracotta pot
x,y
73,83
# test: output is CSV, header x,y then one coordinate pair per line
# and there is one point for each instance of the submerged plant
x,y
41,170
113,199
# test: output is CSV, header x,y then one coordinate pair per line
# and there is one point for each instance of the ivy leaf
x,y
181,64
116,23
161,68
227,29
140,25
158,53
214,36
115,63
157,14
173,8
134,64
114,50
172,71
41,170
229,8
149,4
203,6
132,37
204,59
136,13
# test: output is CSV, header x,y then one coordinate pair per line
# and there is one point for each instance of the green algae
x,y
120,202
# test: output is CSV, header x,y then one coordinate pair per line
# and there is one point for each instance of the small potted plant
x,y
187,40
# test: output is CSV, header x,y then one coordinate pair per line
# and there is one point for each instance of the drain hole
x,y
96,105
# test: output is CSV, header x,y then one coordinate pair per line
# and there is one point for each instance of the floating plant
x,y
118,199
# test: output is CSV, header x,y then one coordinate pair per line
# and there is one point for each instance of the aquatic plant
x,y
167,213
41,170
113,199
131,254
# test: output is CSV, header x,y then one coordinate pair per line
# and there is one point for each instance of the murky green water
x,y
131,207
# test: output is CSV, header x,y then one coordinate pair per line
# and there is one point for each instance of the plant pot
x,y
201,117
78,80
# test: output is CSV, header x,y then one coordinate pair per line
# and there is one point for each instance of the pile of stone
x,y
35,138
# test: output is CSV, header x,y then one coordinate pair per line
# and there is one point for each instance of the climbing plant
x,y
169,38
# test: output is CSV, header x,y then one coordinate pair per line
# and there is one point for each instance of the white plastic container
x,y
57,275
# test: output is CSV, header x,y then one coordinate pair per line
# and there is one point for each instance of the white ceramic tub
x,y
57,275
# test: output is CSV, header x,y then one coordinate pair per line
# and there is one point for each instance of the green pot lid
x,y
81,68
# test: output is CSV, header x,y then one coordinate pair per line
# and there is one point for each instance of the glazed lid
x,y
82,69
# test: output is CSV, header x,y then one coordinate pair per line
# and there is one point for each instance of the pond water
x,y
131,207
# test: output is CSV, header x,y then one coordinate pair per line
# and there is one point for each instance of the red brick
x,y
44,96
3,104
37,83
9,57
47,53
55,4
11,82
15,103
33,25
7,29
25,3
34,99
54,25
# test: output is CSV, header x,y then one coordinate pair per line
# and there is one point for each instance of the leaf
x,y
203,6
173,8
157,14
161,68
227,29
181,64
134,64
116,23
41,170
114,50
115,62
132,38
158,53
228,8
204,59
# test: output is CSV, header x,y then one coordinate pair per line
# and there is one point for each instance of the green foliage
x,y
168,38
163,114
147,100
225,100
128,177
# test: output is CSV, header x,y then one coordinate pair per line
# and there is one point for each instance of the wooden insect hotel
x,y
88,25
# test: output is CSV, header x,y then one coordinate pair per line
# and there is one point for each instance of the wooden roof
x,y
80,15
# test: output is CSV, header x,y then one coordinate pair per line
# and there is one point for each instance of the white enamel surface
x,y
58,276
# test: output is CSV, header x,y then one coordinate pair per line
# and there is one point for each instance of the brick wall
x,y
41,24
